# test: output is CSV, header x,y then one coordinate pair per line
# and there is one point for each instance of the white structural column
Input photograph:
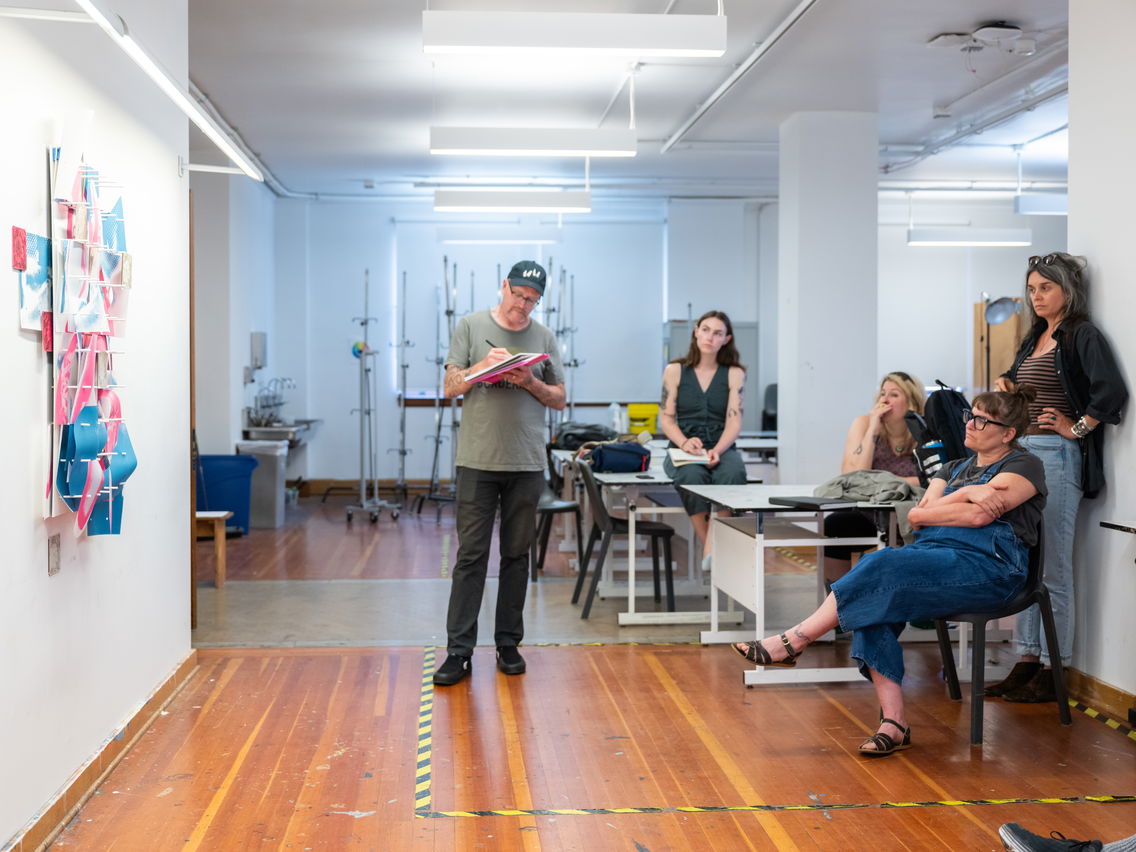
x,y
826,353
1101,187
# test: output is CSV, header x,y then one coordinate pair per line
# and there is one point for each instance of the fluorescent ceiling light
x,y
505,234
1042,203
533,141
119,33
511,200
542,35
964,236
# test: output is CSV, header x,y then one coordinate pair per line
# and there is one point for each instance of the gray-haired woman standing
x,y
1079,387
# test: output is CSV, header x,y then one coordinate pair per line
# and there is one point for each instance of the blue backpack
x,y
620,457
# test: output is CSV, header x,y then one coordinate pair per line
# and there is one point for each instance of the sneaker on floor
x,y
509,660
453,670
1038,690
1021,674
1017,839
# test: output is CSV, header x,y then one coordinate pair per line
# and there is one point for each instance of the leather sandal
x,y
882,744
755,652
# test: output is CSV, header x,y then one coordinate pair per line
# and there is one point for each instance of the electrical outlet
x,y
53,555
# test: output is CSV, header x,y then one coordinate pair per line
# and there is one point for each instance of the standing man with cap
x,y
500,464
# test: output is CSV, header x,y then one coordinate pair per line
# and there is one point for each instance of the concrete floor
x,y
268,613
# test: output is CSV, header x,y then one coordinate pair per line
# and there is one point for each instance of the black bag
x,y
620,457
571,435
944,412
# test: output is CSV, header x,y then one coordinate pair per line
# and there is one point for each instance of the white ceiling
x,y
336,97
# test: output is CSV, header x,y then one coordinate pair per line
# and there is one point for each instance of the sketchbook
x,y
680,457
493,372
815,503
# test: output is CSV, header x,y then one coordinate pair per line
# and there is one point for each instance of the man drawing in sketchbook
x,y
500,463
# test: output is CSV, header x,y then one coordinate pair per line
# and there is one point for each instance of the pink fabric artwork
x,y
19,248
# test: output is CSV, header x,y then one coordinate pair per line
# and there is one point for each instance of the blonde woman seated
x,y
878,440
701,413
975,526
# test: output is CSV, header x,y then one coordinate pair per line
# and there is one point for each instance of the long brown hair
x,y
727,355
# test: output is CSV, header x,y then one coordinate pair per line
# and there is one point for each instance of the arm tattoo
x,y
859,450
663,401
454,378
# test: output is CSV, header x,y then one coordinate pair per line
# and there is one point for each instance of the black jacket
x,y
1091,380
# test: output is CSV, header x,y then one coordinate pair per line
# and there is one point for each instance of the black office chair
x,y
1034,592
552,504
604,528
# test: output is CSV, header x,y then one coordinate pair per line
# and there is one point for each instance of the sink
x,y
295,433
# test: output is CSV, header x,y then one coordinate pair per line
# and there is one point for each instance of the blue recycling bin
x,y
224,483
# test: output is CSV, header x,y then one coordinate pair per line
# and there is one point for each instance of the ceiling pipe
x,y
974,129
739,72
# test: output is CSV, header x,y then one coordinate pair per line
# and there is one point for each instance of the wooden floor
x,y
612,747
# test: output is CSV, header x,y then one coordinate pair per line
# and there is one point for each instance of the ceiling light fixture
x,y
547,34
533,141
967,236
512,201
115,27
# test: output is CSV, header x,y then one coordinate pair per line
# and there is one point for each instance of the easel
x,y
368,467
440,494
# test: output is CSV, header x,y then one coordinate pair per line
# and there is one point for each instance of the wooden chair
x,y
604,528
1033,592
550,505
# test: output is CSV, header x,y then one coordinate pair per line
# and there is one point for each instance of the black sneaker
x,y
509,660
453,670
1017,839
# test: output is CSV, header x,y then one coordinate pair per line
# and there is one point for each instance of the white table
x,y
633,488
739,564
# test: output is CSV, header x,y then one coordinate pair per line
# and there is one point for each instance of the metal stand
x,y
403,365
368,467
441,494
566,333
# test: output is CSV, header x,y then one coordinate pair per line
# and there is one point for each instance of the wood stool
x,y
213,523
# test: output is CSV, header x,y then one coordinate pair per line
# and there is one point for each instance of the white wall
x,y
1100,227
926,295
235,289
711,258
81,651
322,252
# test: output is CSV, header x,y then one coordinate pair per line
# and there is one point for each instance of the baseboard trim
x,y
43,828
316,487
1102,697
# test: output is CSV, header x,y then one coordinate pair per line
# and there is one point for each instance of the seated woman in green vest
x,y
701,414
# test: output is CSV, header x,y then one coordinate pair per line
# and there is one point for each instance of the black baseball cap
x,y
528,273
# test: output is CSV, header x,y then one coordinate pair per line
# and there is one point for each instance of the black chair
x,y
769,409
551,504
604,528
1033,592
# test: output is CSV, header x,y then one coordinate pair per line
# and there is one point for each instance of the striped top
x,y
1040,371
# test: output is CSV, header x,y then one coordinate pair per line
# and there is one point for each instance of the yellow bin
x,y
642,415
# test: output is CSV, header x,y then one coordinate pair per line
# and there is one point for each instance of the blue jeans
x,y
946,570
1062,460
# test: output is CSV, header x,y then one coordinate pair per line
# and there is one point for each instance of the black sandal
x,y
883,743
755,652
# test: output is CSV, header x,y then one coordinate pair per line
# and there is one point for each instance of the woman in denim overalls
x,y
976,524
